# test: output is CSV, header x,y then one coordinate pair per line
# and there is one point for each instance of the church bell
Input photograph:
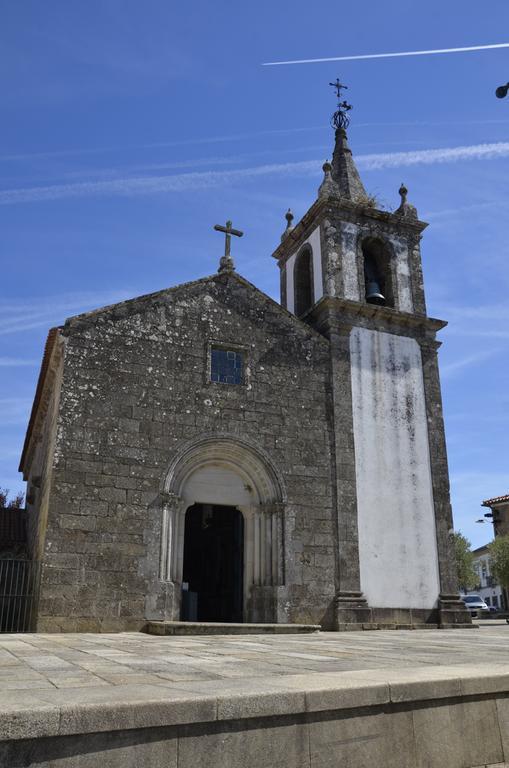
x,y
374,294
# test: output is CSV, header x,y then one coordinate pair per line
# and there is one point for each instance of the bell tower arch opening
x,y
378,282
303,281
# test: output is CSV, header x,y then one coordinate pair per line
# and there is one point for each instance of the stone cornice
x,y
332,313
348,211
52,356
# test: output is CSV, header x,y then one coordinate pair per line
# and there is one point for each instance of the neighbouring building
x,y
499,513
491,592
205,452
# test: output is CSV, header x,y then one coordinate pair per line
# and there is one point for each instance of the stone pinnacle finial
x,y
344,173
328,187
344,170
289,226
405,208
226,263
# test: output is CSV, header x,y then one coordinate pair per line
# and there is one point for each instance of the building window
x,y
226,365
303,282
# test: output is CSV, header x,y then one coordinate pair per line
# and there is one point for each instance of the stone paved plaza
x,y
37,666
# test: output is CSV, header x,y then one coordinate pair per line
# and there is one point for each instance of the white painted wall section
x,y
290,295
349,234
397,538
314,242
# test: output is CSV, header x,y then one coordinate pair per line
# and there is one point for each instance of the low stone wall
x,y
438,717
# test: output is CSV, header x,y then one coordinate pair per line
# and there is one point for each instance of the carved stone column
x,y
351,606
452,611
162,566
264,561
170,564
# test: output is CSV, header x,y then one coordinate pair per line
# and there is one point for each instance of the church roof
x,y
125,306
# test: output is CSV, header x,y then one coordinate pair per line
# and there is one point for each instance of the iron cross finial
x,y
226,263
340,117
339,87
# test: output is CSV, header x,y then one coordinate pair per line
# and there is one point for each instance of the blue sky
x,y
129,129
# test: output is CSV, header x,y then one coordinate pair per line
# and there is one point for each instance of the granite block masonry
x,y
204,453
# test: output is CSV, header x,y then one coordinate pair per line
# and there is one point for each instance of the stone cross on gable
x,y
226,264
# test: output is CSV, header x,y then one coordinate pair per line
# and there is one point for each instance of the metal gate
x,y
19,586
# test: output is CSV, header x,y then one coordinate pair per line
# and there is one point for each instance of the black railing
x,y
19,586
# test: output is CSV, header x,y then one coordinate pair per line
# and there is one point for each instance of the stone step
x,y
218,628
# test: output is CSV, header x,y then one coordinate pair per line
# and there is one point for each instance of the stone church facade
x,y
206,453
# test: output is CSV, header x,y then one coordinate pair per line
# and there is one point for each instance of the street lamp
x,y
502,91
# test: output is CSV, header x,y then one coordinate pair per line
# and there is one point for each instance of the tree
x,y
467,576
17,502
499,554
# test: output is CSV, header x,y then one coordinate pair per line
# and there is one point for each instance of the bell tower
x,y
353,271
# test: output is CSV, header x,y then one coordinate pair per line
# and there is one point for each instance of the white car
x,y
475,605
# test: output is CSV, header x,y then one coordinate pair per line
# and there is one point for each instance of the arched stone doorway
x,y
222,472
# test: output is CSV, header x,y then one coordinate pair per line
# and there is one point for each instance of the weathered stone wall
x,y
135,387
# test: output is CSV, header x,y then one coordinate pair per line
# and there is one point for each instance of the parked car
x,y
475,605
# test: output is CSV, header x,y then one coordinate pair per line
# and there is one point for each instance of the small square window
x,y
226,366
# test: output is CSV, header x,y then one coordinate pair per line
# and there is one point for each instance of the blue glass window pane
x,y
226,366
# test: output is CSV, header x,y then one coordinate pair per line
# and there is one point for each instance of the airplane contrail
x,y
388,55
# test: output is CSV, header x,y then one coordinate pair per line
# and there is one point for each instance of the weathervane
x,y
340,117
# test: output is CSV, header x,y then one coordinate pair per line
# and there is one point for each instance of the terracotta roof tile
x,y
495,500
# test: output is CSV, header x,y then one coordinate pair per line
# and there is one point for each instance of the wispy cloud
x,y
162,144
16,316
465,49
491,312
204,140
451,369
448,213
489,321
16,362
149,185
434,156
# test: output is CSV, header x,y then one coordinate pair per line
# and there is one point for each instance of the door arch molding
x,y
227,471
